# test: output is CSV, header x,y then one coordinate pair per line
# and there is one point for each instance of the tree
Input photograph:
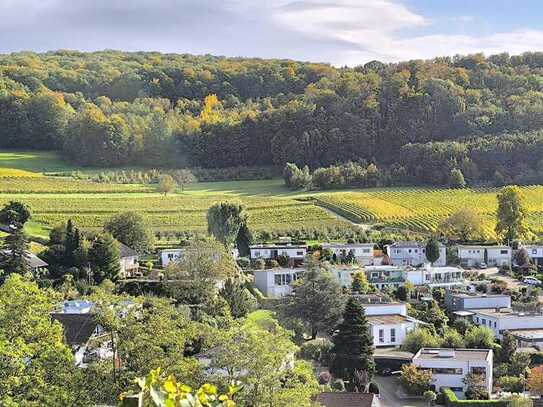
x,y
479,337
14,254
452,339
511,214
185,177
456,179
463,225
462,325
535,381
239,298
430,397
476,387
14,213
224,221
360,283
415,381
317,301
420,338
130,228
403,292
519,363
166,184
104,256
522,258
296,178
353,345
432,250
244,239
36,367
435,316
507,349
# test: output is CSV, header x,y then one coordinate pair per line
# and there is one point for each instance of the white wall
x,y
401,332
487,302
265,252
265,281
170,255
514,321
385,309
414,256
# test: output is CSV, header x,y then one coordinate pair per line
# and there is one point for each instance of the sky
x,y
340,32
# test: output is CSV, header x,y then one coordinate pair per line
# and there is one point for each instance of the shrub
x,y
511,384
244,262
338,385
451,400
259,264
317,350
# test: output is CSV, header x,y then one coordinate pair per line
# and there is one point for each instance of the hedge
x,y
451,401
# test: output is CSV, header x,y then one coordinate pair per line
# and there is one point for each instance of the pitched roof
x,y
126,251
32,260
78,328
339,399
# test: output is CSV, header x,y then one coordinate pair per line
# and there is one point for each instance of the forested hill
x,y
416,121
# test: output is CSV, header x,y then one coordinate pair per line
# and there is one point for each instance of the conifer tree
x,y
14,255
353,345
104,258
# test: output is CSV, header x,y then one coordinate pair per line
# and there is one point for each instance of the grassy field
x,y
271,206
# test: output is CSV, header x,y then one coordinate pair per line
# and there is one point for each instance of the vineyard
x,y
421,209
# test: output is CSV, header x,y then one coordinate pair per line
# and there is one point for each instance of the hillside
x,y
415,120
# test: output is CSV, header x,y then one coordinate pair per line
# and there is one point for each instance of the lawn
x,y
33,161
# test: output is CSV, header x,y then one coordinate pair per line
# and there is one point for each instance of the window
x,y
495,324
483,321
446,370
277,279
299,253
257,254
366,250
416,250
381,335
339,275
534,251
393,335
283,279
477,319
504,251
170,256
409,250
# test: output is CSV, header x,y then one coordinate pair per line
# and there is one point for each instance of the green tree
x,y
479,337
456,179
463,225
432,250
430,397
244,239
224,221
239,298
420,338
166,184
104,256
14,254
415,381
435,316
15,213
353,345
130,228
507,349
36,367
452,339
360,284
476,388
317,301
511,214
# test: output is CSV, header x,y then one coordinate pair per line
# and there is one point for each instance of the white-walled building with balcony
x,y
435,276
362,252
385,276
449,367
276,282
273,251
473,256
413,254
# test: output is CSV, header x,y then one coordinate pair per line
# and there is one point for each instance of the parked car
x,y
482,266
531,281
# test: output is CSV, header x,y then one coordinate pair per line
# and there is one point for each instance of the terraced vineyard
x,y
421,209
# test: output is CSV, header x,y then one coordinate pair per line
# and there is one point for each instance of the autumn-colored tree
x,y
535,380
415,381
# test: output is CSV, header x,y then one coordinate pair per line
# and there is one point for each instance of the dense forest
x,y
415,121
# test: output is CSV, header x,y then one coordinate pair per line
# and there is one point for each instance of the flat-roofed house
x,y
507,319
361,252
473,256
449,367
276,282
535,252
461,301
385,276
413,254
272,251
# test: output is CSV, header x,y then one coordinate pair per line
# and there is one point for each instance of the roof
x,y
408,244
392,319
347,245
126,251
343,399
506,313
78,328
478,295
276,246
456,354
463,313
528,334
483,247
33,261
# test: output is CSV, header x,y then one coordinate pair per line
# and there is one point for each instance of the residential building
x,y
276,282
435,276
168,256
507,319
296,253
361,252
495,256
535,252
35,264
129,259
344,273
389,322
413,254
346,399
385,276
462,301
450,366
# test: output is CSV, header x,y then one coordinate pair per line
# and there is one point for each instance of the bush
x,y
415,381
338,385
244,262
317,350
451,400
259,264
511,384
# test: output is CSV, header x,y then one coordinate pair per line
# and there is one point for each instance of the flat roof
x,y
459,354
529,334
483,247
467,295
507,313
278,246
463,313
348,245
377,304
386,319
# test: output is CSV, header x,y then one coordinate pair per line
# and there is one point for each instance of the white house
x,y
389,322
273,251
535,252
450,366
473,256
344,273
461,301
435,276
506,319
385,276
362,252
168,256
129,260
413,254
276,282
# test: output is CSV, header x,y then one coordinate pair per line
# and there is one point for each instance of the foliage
x,y
511,214
14,254
452,401
519,363
512,384
239,298
462,325
353,346
317,301
457,179
535,381
14,213
463,225
104,257
476,388
130,228
296,178
319,350
452,339
432,250
420,338
415,381
166,184
429,396
479,337
507,349
360,284
224,221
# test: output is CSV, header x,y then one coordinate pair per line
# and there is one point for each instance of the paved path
x,y
387,387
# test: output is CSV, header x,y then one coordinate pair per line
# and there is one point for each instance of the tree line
x,y
472,113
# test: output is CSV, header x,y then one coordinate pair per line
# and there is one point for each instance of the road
x,y
493,272
387,388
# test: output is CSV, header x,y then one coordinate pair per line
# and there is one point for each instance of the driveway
x,y
387,389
